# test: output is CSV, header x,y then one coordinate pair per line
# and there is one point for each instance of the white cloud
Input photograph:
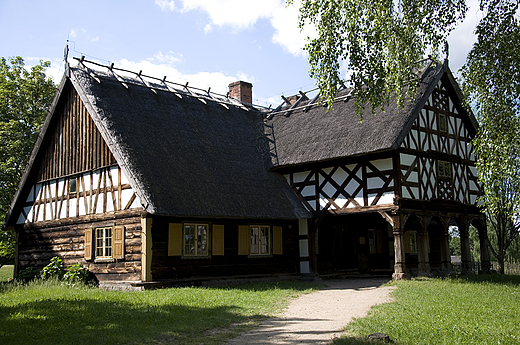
x,y
165,5
95,39
170,58
463,37
218,81
239,14
72,33
287,33
208,28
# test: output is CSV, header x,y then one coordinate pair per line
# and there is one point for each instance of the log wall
x,y
39,242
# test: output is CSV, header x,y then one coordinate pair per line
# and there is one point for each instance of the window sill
x,y
260,256
102,260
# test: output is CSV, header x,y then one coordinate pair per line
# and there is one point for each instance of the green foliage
x,y
55,314
492,84
380,43
7,246
25,96
470,310
54,270
78,274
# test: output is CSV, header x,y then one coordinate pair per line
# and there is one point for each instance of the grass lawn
x,y
469,310
49,313
6,272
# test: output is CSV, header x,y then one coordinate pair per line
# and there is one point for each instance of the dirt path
x,y
319,317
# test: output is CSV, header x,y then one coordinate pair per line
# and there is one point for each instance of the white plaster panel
x,y
473,170
413,177
329,190
30,197
340,202
375,182
304,248
125,180
309,191
383,164
339,176
137,202
472,199
52,188
82,210
303,227
304,267
312,204
405,193
21,219
386,198
301,176
352,186
406,159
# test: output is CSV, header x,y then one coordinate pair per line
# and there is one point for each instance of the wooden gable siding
x,y
76,144
345,187
438,136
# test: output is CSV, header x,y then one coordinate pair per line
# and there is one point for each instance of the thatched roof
x,y
313,134
186,156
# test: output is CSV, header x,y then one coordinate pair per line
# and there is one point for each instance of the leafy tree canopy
x,y
380,42
25,96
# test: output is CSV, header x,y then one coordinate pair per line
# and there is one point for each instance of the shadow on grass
x,y
501,279
107,322
351,340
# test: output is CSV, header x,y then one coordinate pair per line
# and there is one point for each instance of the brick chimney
x,y
241,90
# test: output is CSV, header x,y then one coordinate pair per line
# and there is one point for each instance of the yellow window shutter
x,y
217,240
88,244
118,244
277,240
406,240
175,239
243,240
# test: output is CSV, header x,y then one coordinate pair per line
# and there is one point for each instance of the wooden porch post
x,y
445,249
485,260
465,250
400,265
146,249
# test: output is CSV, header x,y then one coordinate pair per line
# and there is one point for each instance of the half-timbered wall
x,y
76,145
345,186
436,159
95,192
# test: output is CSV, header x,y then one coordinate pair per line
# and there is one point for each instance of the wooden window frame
x,y
116,245
103,243
443,122
414,244
196,243
444,170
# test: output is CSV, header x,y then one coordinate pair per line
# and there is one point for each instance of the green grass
x,y
469,310
49,313
6,272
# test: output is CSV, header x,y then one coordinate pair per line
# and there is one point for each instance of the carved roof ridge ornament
x,y
202,94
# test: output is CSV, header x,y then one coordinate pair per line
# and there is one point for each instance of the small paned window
x,y
72,185
196,239
259,244
442,123
444,169
104,242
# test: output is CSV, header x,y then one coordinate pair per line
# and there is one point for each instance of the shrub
x,y
78,273
54,269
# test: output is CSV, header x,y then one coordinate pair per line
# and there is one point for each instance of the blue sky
x,y
209,43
